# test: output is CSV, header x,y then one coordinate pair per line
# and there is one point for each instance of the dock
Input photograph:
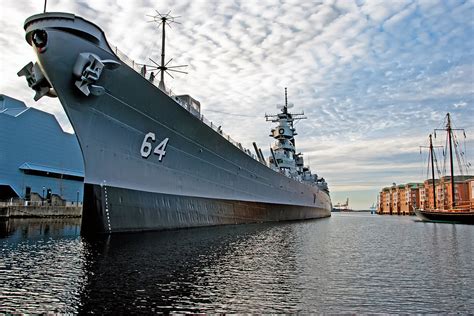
x,y
40,211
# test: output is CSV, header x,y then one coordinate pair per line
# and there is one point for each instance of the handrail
x,y
137,67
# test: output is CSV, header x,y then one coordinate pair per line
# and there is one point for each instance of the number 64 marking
x,y
160,150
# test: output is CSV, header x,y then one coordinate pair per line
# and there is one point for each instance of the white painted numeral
x,y
146,146
160,150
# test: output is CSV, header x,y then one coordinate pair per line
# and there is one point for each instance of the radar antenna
x,y
286,106
284,109
163,20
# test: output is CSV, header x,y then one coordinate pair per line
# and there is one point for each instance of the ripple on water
x,y
352,263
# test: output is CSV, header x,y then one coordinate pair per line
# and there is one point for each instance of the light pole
x,y
42,197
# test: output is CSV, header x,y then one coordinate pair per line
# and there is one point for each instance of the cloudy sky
x,y
373,77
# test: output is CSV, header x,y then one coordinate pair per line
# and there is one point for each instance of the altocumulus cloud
x,y
373,77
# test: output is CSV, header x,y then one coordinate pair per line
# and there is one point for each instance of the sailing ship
x,y
152,160
452,208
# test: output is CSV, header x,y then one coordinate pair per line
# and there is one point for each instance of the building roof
x,y
35,152
457,178
430,181
414,185
7,102
63,171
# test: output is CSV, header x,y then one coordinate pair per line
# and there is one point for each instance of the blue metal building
x,y
36,155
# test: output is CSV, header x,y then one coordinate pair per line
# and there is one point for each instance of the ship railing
x,y
139,68
464,205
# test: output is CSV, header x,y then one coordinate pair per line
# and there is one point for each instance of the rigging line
x,y
463,150
231,114
458,158
440,126
458,155
423,163
445,154
436,164
428,167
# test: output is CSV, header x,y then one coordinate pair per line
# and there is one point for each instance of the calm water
x,y
347,263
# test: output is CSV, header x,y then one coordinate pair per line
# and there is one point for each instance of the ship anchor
x,y
88,68
37,81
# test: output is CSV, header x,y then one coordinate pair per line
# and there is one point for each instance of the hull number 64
x,y
160,150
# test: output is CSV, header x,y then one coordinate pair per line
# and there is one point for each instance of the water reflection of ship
x,y
193,270
342,207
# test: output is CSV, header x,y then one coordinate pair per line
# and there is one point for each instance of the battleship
x,y
152,161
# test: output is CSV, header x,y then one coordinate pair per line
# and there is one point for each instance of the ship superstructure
x,y
284,157
152,161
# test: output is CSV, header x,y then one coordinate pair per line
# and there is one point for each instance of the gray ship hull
x,y
155,211
203,179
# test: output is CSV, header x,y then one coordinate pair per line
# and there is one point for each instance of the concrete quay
x,y
40,211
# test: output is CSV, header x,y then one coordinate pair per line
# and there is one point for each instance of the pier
x,y
8,211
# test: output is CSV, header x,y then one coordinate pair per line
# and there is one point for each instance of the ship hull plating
x,y
130,210
461,217
202,179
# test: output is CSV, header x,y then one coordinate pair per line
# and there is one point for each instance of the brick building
x,y
461,191
384,206
405,198
400,199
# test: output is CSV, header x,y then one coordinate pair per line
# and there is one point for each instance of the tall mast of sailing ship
x,y
449,129
432,160
432,171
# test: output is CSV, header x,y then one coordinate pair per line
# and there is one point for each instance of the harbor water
x,y
354,263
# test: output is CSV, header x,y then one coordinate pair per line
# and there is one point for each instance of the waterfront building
x,y
405,198
428,194
444,198
423,200
461,191
384,201
470,188
410,198
395,199
37,158
401,199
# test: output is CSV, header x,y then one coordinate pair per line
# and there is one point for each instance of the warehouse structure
x,y
37,158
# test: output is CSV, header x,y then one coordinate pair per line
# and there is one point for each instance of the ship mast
x,y
162,67
163,20
432,160
284,154
449,129
432,171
